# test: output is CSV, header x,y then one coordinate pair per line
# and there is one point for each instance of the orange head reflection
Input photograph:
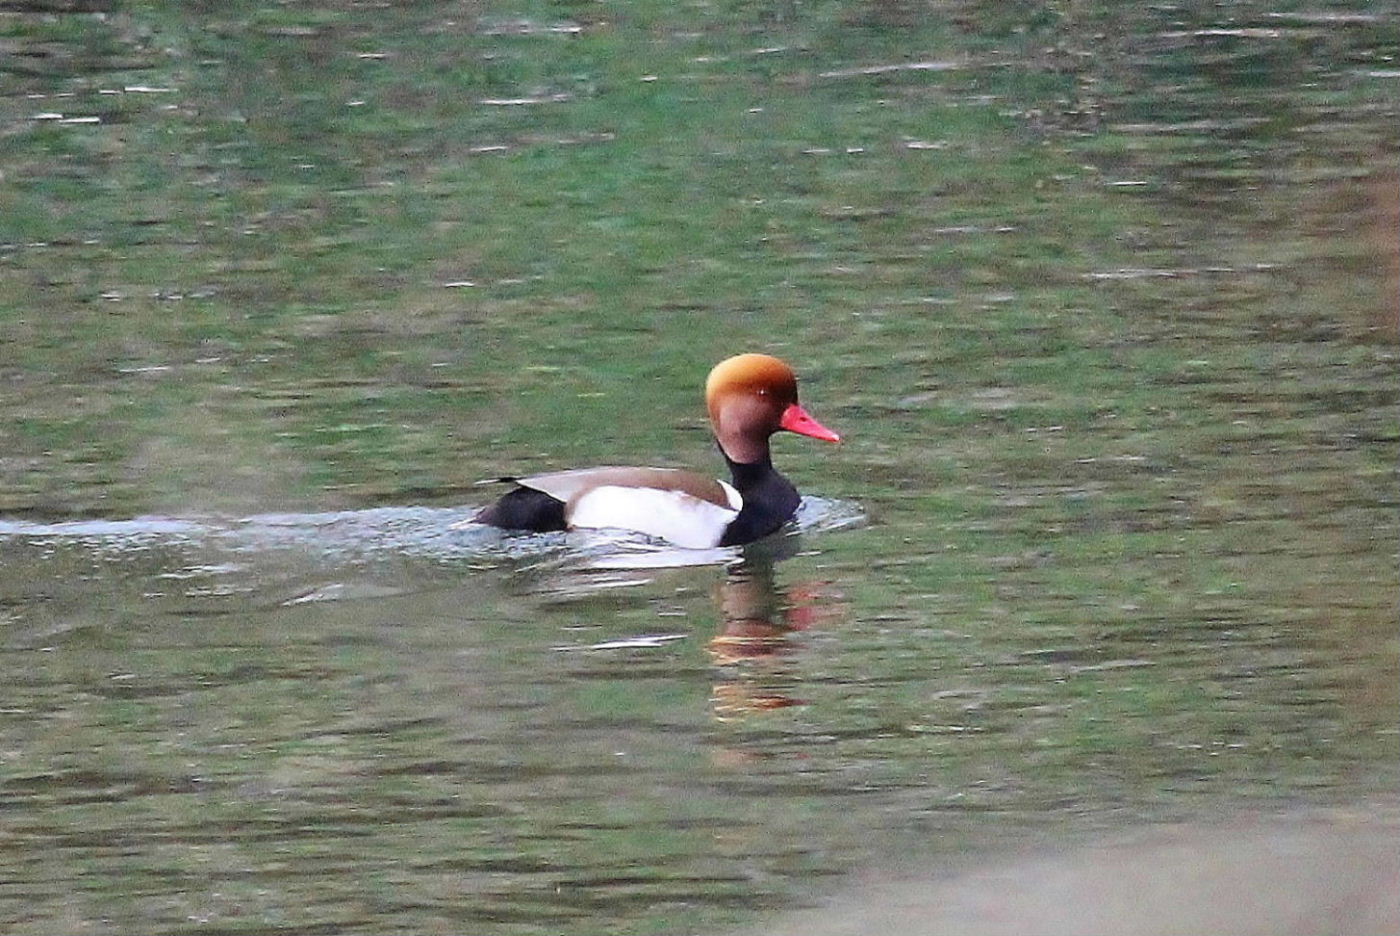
x,y
756,637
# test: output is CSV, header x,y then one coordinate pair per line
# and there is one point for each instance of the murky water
x,y
1104,299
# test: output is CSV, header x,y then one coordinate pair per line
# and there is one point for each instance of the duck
x,y
749,397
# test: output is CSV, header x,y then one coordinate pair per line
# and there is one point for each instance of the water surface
x,y
1104,300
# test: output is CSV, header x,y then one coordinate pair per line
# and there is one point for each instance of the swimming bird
x,y
749,398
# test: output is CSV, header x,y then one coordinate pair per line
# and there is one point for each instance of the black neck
x,y
748,475
770,500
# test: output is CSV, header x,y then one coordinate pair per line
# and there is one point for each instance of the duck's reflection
x,y
759,624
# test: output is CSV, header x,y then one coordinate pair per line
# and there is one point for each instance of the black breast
x,y
770,500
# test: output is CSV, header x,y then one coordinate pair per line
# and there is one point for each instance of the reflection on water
x,y
760,628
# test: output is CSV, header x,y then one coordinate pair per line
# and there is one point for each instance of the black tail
x,y
525,509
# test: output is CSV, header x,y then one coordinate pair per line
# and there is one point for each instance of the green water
x,y
1104,299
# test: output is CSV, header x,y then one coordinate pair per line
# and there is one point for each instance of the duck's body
x,y
749,397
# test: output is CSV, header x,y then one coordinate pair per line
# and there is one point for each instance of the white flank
x,y
674,516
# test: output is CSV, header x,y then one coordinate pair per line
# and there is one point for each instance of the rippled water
x,y
1105,302
259,700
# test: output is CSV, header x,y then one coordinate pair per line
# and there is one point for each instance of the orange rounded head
x,y
752,396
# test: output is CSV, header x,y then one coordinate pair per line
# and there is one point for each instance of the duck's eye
x,y
762,391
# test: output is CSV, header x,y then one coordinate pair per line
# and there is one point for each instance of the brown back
x,y
568,486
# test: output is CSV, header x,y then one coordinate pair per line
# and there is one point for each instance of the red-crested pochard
x,y
750,397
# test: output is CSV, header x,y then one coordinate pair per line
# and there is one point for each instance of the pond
x,y
1104,299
